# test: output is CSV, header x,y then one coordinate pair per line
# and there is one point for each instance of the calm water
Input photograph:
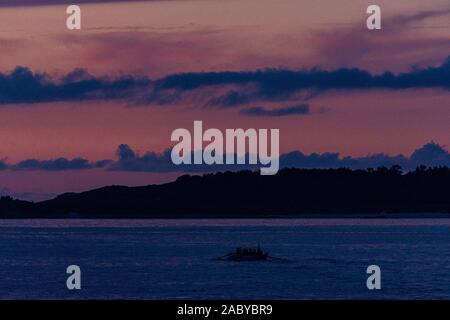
x,y
161,259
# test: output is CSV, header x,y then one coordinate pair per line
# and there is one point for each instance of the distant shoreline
x,y
292,193
312,216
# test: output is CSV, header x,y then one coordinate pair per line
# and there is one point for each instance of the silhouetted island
x,y
247,194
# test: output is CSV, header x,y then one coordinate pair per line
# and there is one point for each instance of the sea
x,y
177,259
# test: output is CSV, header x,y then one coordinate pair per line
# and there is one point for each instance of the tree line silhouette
x,y
248,194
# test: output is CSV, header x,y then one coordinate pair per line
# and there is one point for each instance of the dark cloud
x,y
3,165
278,81
302,109
24,86
273,85
130,160
297,159
233,98
102,163
60,164
430,154
250,93
124,152
284,85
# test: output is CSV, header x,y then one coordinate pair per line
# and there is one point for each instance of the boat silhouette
x,y
246,254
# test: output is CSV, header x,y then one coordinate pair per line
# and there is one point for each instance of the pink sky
x,y
156,39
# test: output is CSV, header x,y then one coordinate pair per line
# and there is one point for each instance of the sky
x,y
73,101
